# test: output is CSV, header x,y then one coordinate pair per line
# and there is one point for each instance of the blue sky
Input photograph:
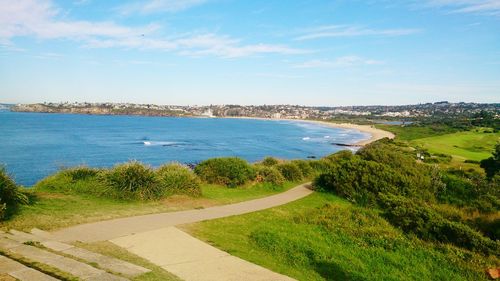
x,y
250,52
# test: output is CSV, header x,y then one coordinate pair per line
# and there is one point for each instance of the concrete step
x,y
22,272
65,264
42,234
108,263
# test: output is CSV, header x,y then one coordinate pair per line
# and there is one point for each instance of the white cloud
x,y
39,18
345,61
351,31
157,6
484,7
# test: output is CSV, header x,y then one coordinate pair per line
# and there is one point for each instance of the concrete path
x,y
191,259
111,229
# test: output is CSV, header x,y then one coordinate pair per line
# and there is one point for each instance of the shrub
x,y
304,167
359,181
320,166
81,173
231,171
269,161
176,178
414,217
491,165
133,180
269,175
290,171
10,195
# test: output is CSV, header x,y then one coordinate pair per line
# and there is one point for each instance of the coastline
x,y
375,134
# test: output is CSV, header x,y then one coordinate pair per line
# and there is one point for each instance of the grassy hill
x,y
323,237
471,145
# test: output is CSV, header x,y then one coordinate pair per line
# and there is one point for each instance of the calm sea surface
x,y
34,145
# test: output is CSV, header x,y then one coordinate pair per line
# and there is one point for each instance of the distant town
x,y
443,108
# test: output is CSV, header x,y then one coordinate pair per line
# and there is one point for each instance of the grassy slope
x,y
470,145
358,245
54,210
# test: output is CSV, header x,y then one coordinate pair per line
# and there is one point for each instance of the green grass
x,y
53,210
408,133
341,242
234,195
469,145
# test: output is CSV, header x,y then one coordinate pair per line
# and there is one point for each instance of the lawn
x,y
308,241
49,211
470,145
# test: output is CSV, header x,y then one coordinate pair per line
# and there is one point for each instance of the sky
x,y
200,52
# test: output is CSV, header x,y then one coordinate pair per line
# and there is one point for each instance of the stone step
x,y
20,237
65,264
22,272
108,263
42,234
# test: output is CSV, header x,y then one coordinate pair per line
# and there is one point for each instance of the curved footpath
x,y
111,229
155,238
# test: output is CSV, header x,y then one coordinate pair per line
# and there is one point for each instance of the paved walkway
x,y
155,238
193,260
111,229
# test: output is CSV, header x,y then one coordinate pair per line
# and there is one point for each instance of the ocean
x,y
34,145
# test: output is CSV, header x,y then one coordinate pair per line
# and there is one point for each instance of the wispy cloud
x,y
484,7
39,18
345,61
329,31
158,6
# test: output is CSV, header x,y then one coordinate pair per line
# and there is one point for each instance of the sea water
x,y
34,145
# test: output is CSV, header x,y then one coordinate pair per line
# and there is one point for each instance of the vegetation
x,y
178,179
270,161
10,195
269,174
132,189
428,223
230,171
290,170
491,165
132,180
469,145
322,237
387,176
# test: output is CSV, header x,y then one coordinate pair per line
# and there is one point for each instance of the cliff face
x,y
96,110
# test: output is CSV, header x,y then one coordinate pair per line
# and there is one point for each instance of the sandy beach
x,y
375,134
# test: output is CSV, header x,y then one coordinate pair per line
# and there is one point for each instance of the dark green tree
x,y
492,165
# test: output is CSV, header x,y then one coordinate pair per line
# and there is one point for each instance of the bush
x,y
414,217
290,171
378,168
133,180
269,161
81,173
304,167
176,178
231,171
269,175
10,195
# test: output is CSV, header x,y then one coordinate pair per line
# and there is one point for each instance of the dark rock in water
x,y
311,157
347,145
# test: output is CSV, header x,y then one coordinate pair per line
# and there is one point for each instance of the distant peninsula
x,y
374,112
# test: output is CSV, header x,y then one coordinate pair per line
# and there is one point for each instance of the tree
x,y
492,165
